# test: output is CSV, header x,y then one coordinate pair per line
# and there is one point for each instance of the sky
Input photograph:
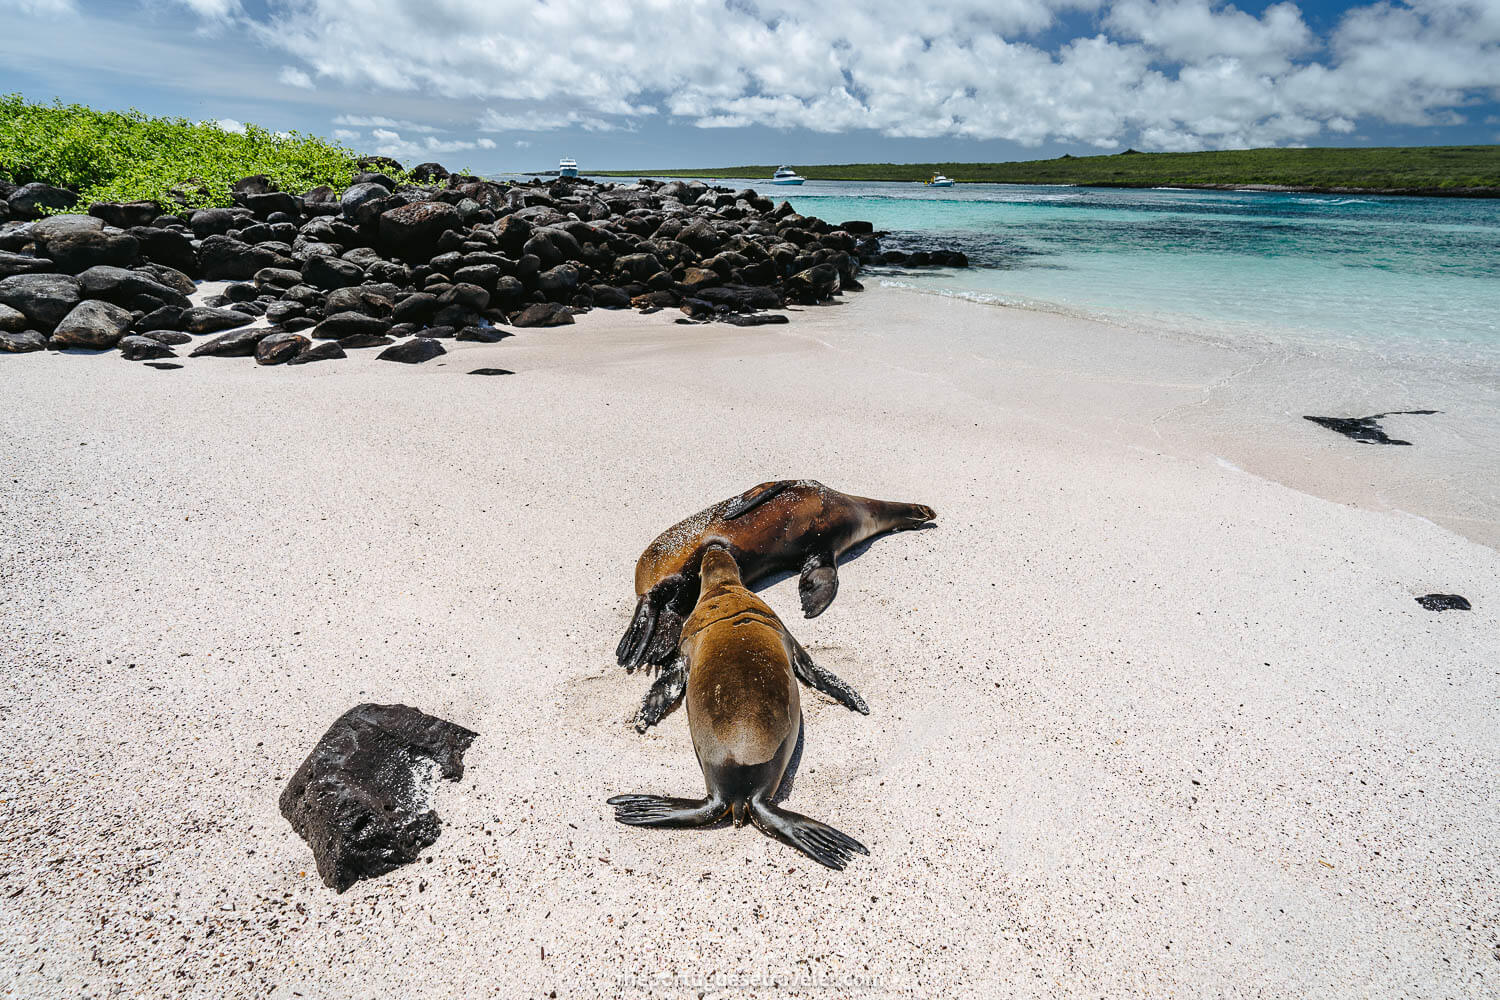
x,y
512,85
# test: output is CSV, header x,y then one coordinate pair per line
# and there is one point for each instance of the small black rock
x,y
412,352
492,371
1366,430
1444,602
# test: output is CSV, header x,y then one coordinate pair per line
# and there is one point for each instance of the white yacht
x,y
939,181
786,175
567,167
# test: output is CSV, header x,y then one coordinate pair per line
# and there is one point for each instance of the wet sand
x,y
1142,722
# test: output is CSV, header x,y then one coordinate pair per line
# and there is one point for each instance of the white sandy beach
x,y
1143,721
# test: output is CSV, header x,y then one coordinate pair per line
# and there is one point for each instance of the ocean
x,y
1406,278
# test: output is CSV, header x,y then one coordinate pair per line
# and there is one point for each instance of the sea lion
x,y
791,524
745,716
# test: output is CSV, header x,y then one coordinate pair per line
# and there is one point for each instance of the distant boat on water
x,y
786,175
939,181
567,167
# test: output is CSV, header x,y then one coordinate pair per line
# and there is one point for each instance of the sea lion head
x,y
718,569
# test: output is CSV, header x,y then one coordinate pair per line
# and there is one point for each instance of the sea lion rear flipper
x,y
754,497
664,694
821,842
819,583
816,677
661,810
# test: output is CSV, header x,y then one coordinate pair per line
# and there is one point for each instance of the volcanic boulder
x,y
363,798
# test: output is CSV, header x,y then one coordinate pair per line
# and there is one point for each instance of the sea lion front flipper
x,y
819,583
754,497
631,652
662,810
816,677
821,842
664,694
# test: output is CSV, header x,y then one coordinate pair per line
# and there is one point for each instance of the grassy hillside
x,y
1416,169
129,156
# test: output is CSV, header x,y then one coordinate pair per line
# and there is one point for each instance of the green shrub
x,y
131,156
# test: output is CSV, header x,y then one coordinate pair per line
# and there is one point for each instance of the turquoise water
x,y
1404,277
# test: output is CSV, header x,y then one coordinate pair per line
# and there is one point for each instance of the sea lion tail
x,y
821,842
662,810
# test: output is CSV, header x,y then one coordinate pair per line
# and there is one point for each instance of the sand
x,y
1142,722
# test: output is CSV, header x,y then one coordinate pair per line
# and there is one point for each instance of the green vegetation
x,y
1415,169
130,156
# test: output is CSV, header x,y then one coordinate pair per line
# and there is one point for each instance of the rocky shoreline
x,y
405,266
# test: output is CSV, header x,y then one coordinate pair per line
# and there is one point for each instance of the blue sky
x,y
498,85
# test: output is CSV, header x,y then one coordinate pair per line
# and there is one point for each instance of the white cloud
x,y
345,135
1169,74
541,121
41,8
230,125
380,121
390,143
294,77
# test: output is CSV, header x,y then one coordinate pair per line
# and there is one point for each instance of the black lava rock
x,y
44,299
328,350
1366,430
412,352
1444,602
136,348
362,798
235,344
92,324
22,341
543,314
279,348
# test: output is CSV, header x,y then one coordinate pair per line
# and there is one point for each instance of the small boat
x,y
939,181
567,167
786,175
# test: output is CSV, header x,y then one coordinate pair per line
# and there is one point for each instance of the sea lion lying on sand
x,y
791,524
745,716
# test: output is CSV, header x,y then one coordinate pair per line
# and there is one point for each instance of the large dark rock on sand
x,y
206,319
351,324
328,350
12,320
1444,602
22,341
1366,430
413,352
138,348
92,324
235,344
43,298
363,798
77,242
122,286
543,314
412,231
279,348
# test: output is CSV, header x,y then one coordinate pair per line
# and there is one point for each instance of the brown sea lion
x,y
745,716
792,524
